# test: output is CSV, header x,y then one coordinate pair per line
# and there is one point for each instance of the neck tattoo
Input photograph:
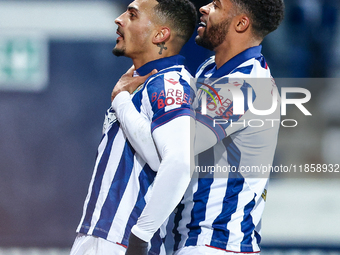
x,y
162,47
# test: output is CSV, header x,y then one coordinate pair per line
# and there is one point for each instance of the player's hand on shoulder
x,y
136,246
129,83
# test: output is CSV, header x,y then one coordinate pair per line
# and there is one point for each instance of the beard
x,y
118,52
216,35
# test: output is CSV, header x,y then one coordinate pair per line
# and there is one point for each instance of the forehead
x,y
143,6
225,3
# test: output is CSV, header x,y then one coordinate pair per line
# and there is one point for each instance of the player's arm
x,y
215,119
173,143
135,126
173,138
205,138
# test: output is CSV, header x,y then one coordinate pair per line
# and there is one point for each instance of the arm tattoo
x,y
162,47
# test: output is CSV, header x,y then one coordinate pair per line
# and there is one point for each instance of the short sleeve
x,y
170,96
218,113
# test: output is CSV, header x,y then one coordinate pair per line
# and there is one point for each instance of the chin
x,y
118,52
204,42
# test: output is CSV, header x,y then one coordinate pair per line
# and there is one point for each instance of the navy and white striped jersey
x,y
122,181
224,209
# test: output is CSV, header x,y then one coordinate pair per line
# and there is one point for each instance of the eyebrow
x,y
131,8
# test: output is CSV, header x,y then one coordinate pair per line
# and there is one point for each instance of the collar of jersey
x,y
160,64
250,53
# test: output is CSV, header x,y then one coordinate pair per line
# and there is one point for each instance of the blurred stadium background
x,y
56,77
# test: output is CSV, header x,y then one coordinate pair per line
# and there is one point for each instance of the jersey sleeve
x,y
216,117
170,97
234,104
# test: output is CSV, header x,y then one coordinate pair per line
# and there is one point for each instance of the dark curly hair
x,y
265,15
180,15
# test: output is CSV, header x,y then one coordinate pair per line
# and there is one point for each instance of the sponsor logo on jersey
x,y
170,97
172,81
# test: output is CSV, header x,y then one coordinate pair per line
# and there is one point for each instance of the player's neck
x,y
142,59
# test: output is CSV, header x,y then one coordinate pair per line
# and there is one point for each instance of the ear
x,y
162,35
242,24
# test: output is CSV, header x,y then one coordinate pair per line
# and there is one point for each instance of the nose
x,y
119,20
205,9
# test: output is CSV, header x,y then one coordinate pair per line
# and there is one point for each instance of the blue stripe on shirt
x,y
98,179
198,212
258,237
244,90
116,192
156,243
145,179
221,232
177,219
247,227
262,61
200,197
244,70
